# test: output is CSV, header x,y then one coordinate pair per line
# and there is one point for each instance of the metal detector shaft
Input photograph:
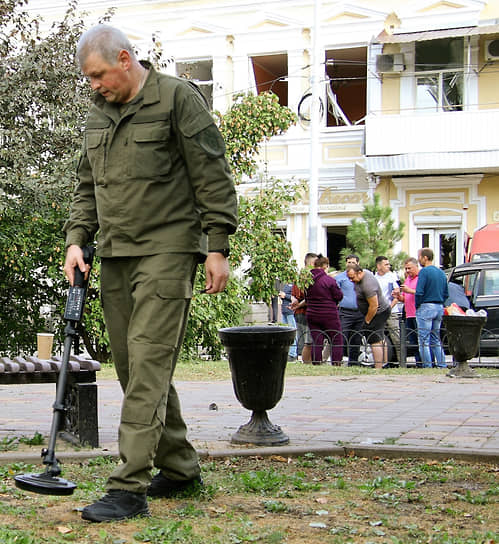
x,y
58,406
73,314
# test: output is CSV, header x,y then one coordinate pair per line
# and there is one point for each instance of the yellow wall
x,y
488,80
444,201
391,85
490,11
489,187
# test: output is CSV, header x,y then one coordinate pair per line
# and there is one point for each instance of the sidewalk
x,y
386,415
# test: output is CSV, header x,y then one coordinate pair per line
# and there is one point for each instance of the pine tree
x,y
375,234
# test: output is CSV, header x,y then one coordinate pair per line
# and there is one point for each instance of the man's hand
x,y
295,304
74,257
217,273
372,308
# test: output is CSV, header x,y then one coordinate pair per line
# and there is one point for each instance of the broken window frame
x,y
353,69
277,80
203,64
440,74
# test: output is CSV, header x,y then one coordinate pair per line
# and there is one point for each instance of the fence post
x,y
403,342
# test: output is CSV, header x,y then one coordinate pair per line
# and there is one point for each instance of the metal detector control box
x,y
77,293
75,303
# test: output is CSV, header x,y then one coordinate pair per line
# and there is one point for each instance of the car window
x,y
468,280
490,284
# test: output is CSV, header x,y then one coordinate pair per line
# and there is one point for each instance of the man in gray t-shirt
x,y
375,308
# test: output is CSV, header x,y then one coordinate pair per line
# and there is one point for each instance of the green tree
x,y
251,120
42,106
43,103
260,239
375,233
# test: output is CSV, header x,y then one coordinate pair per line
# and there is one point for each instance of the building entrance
x,y
336,241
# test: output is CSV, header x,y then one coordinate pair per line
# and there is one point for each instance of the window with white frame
x,y
439,66
199,72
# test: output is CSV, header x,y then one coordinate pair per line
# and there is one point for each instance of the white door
x,y
446,244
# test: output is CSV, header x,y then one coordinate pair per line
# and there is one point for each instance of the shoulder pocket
x,y
196,123
205,134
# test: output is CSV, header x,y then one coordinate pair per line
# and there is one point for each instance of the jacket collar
x,y
317,272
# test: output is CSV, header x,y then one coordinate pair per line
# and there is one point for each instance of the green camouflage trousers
x,y
146,302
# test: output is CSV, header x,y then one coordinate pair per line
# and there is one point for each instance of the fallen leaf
x,y
279,458
218,510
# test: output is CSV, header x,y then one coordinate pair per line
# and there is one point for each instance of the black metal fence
x,y
401,346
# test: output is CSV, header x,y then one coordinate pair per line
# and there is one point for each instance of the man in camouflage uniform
x,y
153,180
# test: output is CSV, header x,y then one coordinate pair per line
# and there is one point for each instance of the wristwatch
x,y
225,252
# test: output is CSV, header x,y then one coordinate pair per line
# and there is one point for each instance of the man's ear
x,y
124,60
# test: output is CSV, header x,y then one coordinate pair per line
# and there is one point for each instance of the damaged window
x,y
199,72
271,74
439,75
346,84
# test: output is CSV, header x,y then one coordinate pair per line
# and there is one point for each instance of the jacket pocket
x,y
96,152
150,156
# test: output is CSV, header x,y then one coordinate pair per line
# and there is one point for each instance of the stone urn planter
x,y
463,335
257,357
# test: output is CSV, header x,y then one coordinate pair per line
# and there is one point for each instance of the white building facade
x,y
385,125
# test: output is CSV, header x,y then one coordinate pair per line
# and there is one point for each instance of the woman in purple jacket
x,y
323,317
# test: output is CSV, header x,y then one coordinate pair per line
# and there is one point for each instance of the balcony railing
x,y
447,132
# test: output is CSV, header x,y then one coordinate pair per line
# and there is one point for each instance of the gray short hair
x,y
105,40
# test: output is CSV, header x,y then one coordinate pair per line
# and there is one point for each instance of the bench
x,y
80,421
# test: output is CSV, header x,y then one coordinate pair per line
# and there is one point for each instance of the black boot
x,y
117,504
163,487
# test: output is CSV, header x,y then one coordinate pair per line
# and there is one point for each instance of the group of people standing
x,y
358,304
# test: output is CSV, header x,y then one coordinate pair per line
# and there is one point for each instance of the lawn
x,y
202,370
276,500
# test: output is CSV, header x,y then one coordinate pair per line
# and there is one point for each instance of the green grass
x,y
219,370
265,500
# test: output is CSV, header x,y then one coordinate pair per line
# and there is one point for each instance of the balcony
x,y
288,156
437,143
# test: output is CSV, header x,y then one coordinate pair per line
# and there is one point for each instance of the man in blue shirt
x,y
351,319
431,293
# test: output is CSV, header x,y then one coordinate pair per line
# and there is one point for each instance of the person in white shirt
x,y
389,282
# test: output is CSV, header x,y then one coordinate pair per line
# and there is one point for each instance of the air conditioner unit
x,y
390,63
491,50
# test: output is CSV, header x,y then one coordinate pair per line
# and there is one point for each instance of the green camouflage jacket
x,y
152,175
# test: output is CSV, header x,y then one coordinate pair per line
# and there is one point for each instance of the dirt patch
x,y
276,499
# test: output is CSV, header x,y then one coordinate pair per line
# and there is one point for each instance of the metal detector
x,y
49,482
